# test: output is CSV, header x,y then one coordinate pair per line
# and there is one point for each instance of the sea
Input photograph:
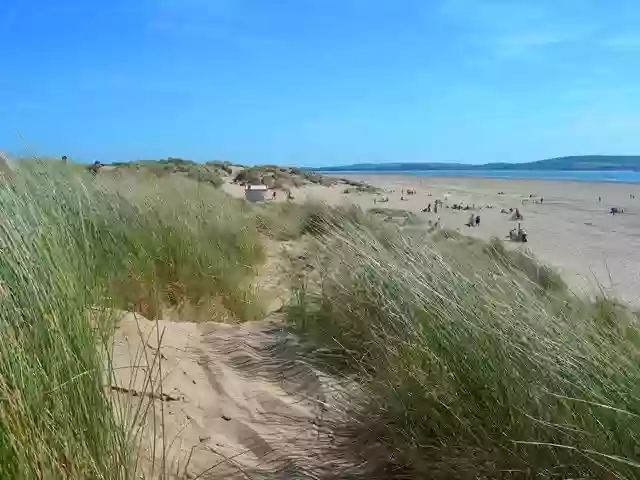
x,y
620,176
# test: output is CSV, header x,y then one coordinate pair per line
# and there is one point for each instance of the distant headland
x,y
571,163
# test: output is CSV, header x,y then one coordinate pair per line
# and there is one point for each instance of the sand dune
x,y
235,401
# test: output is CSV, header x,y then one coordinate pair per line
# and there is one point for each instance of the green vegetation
x,y
291,221
282,177
226,167
214,172
470,363
69,243
249,175
205,175
464,359
209,172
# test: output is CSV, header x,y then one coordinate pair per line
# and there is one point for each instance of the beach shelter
x,y
256,193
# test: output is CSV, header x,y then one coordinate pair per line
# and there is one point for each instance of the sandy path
x,y
570,230
234,401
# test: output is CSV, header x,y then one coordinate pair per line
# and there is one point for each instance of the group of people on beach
x,y
474,219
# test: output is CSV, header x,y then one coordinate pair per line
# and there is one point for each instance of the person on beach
x,y
477,220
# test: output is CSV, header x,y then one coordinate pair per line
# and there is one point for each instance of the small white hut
x,y
256,193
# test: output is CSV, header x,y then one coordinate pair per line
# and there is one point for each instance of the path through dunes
x,y
233,400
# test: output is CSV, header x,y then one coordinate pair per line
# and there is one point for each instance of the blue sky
x,y
320,82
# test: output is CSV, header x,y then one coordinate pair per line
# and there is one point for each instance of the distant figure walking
x,y
599,199
273,195
477,220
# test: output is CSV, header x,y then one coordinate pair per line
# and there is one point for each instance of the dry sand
x,y
218,401
233,400
571,230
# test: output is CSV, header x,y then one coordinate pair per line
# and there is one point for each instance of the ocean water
x,y
576,175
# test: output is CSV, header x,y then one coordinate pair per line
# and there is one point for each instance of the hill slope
x,y
579,162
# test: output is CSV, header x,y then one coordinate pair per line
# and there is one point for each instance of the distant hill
x,y
579,162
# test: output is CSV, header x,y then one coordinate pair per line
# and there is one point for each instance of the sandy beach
x,y
570,230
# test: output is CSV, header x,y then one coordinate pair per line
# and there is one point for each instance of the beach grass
x,y
291,221
73,250
470,363
467,359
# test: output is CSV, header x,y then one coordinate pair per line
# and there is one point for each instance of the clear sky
x,y
320,82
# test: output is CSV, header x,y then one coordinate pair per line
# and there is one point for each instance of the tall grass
x,y
290,221
471,361
204,247
68,243
470,364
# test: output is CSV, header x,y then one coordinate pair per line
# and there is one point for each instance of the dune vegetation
x,y
72,247
464,359
472,361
